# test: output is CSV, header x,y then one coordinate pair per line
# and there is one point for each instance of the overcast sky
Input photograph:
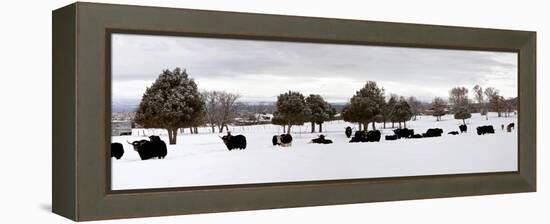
x,y
261,70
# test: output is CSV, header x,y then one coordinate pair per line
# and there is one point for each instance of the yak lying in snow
x,y
284,140
348,131
321,140
463,128
370,136
453,133
234,141
156,148
117,150
510,127
404,133
487,129
433,132
416,136
391,137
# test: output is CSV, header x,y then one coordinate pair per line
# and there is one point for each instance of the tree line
x,y
292,108
174,102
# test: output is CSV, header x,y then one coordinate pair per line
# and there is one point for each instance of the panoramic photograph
x,y
198,111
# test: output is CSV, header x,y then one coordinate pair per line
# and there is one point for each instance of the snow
x,y
203,160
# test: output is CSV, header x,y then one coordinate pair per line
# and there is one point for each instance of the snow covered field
x,y
202,159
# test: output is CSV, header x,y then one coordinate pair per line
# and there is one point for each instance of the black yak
x,y
321,140
403,133
390,137
433,132
284,140
348,131
510,127
148,150
359,136
234,141
370,136
374,136
416,136
463,128
159,145
487,129
117,150
453,133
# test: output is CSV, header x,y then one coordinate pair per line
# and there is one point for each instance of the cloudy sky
x,y
261,70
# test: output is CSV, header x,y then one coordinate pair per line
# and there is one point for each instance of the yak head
x,y
154,138
225,139
137,144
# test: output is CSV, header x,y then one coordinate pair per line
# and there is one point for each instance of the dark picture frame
x,y
82,106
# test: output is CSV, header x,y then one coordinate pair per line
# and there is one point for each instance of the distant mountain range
x,y
124,105
131,105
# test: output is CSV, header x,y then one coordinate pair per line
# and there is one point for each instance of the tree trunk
x,y
196,129
288,130
366,125
172,133
392,124
400,125
213,129
373,125
320,127
405,124
384,124
312,127
486,113
360,128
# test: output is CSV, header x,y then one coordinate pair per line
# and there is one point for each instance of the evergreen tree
x,y
402,112
462,113
365,106
171,102
291,109
388,109
320,111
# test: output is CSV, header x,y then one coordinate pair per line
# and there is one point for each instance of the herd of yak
x,y
156,148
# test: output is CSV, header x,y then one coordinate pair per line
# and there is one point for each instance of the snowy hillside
x,y
202,159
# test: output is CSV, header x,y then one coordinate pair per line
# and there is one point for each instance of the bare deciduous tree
x,y
227,110
479,96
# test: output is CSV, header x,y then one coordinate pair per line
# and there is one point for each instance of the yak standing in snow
x,y
453,133
510,127
159,145
321,140
463,128
117,150
284,140
234,142
348,131
155,148
391,137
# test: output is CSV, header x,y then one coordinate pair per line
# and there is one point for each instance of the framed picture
x,y
202,111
